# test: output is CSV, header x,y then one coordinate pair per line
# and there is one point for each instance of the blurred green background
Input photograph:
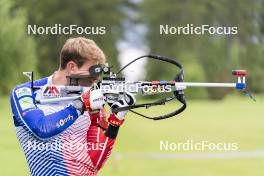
x,y
209,58
137,151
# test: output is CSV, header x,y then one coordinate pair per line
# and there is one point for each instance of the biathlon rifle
x,y
112,86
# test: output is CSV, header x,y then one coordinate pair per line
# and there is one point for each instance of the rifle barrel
x,y
200,84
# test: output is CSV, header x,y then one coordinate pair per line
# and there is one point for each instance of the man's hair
x,y
79,50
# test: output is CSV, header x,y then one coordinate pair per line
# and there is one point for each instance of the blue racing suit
x,y
56,138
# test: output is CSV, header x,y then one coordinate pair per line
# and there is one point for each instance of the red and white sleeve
x,y
99,144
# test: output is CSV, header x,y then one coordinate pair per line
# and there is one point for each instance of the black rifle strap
x,y
179,95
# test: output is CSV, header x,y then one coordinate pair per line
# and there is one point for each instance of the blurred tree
x,y
17,50
82,13
252,50
174,13
216,54
253,61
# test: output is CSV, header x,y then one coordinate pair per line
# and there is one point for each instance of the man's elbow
x,y
42,134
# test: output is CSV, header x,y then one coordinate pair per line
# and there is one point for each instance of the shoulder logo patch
x,y
23,91
26,103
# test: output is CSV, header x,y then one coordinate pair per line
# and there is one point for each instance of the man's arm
x,y
99,144
102,134
41,125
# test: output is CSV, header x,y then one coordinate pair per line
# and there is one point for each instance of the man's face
x,y
84,70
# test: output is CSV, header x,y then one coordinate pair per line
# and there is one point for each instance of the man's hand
x,y
117,119
93,100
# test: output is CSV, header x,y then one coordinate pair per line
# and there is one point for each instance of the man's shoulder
x,y
40,82
26,89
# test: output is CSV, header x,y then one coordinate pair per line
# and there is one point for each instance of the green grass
x,y
236,119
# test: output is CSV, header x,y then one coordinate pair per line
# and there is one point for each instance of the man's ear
x,y
71,67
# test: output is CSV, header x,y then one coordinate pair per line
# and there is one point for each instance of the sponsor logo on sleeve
x,y
26,103
23,92
61,122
